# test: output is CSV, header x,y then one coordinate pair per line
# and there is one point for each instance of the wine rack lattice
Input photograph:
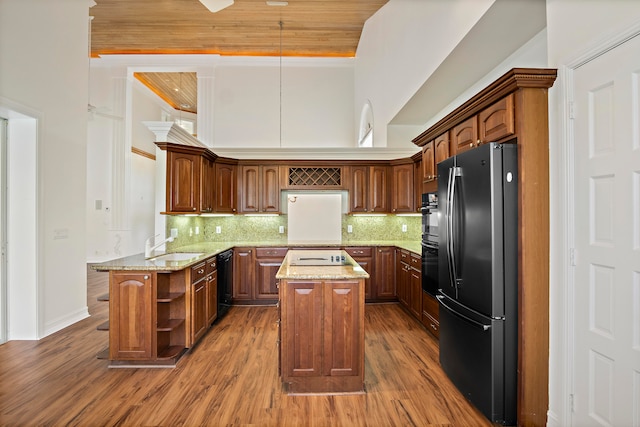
x,y
312,176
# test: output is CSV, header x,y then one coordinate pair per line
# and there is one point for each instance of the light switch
x,y
218,229
349,228
404,228
281,229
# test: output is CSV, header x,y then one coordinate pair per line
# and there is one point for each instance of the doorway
x,y
606,199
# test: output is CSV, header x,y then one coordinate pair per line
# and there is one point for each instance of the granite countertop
x,y
205,250
349,269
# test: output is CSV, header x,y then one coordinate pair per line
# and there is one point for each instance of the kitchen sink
x,y
176,256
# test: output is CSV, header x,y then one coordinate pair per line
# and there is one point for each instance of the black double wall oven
x,y
430,243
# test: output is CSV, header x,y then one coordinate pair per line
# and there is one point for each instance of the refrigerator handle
x,y
454,172
448,230
462,316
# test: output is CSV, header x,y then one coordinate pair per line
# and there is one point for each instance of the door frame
x,y
563,310
4,306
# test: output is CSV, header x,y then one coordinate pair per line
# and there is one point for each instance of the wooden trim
x,y
511,81
143,153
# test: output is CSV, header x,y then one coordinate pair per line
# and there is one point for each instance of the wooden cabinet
x,y
403,194
364,257
428,162
198,302
402,277
226,187
267,264
415,285
322,335
369,188
431,314
243,274
207,185
211,270
147,313
384,275
190,180
492,124
417,182
132,316
183,182
259,188
409,281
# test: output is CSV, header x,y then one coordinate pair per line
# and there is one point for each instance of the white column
x,y
206,86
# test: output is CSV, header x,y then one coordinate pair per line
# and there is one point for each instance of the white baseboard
x,y
64,321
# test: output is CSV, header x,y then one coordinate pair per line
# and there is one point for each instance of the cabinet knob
x,y
478,143
201,271
193,209
146,277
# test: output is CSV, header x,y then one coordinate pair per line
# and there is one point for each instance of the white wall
x,y
568,39
43,46
317,104
401,46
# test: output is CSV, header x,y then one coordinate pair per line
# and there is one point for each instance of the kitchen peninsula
x,y
322,322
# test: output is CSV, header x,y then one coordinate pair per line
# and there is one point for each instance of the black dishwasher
x,y
225,281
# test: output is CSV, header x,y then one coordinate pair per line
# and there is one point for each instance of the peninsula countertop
x,y
319,266
204,250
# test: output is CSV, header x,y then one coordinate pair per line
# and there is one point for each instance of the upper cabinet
x,y
190,181
433,152
259,189
492,124
403,195
226,187
369,188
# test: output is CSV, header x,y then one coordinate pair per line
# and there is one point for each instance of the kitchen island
x,y
321,322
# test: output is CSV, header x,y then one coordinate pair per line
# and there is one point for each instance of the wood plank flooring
x,y
229,378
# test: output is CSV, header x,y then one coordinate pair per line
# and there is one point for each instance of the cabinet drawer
x,y
430,306
211,265
416,261
360,251
198,272
404,256
431,324
271,252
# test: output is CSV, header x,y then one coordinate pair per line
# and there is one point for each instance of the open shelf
x,y
169,325
170,297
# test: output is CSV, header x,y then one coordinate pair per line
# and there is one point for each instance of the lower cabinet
x,y
363,255
147,314
415,285
384,288
322,335
430,314
254,274
403,277
203,298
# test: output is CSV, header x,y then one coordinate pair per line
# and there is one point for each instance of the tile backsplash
x,y
196,229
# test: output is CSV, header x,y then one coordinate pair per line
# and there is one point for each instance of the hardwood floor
x,y
229,378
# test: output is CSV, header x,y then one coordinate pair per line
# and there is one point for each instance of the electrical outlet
x,y
197,230
218,229
281,229
349,228
174,232
404,228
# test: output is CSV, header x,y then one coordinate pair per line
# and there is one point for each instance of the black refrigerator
x,y
478,278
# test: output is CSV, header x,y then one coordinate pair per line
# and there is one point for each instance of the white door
x,y
607,239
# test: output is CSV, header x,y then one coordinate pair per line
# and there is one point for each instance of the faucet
x,y
148,249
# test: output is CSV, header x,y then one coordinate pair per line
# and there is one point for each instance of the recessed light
x,y
277,3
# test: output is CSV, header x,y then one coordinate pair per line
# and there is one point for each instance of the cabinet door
x,y
249,189
497,121
364,257
430,314
379,189
415,286
402,276
417,182
183,186
207,185
212,297
359,188
384,284
403,195
441,147
342,328
270,189
302,328
266,283
428,162
243,273
225,188
132,316
198,310
464,136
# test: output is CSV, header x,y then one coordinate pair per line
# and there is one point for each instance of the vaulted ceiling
x,y
323,28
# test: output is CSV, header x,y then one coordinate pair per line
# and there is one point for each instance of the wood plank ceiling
x,y
310,28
